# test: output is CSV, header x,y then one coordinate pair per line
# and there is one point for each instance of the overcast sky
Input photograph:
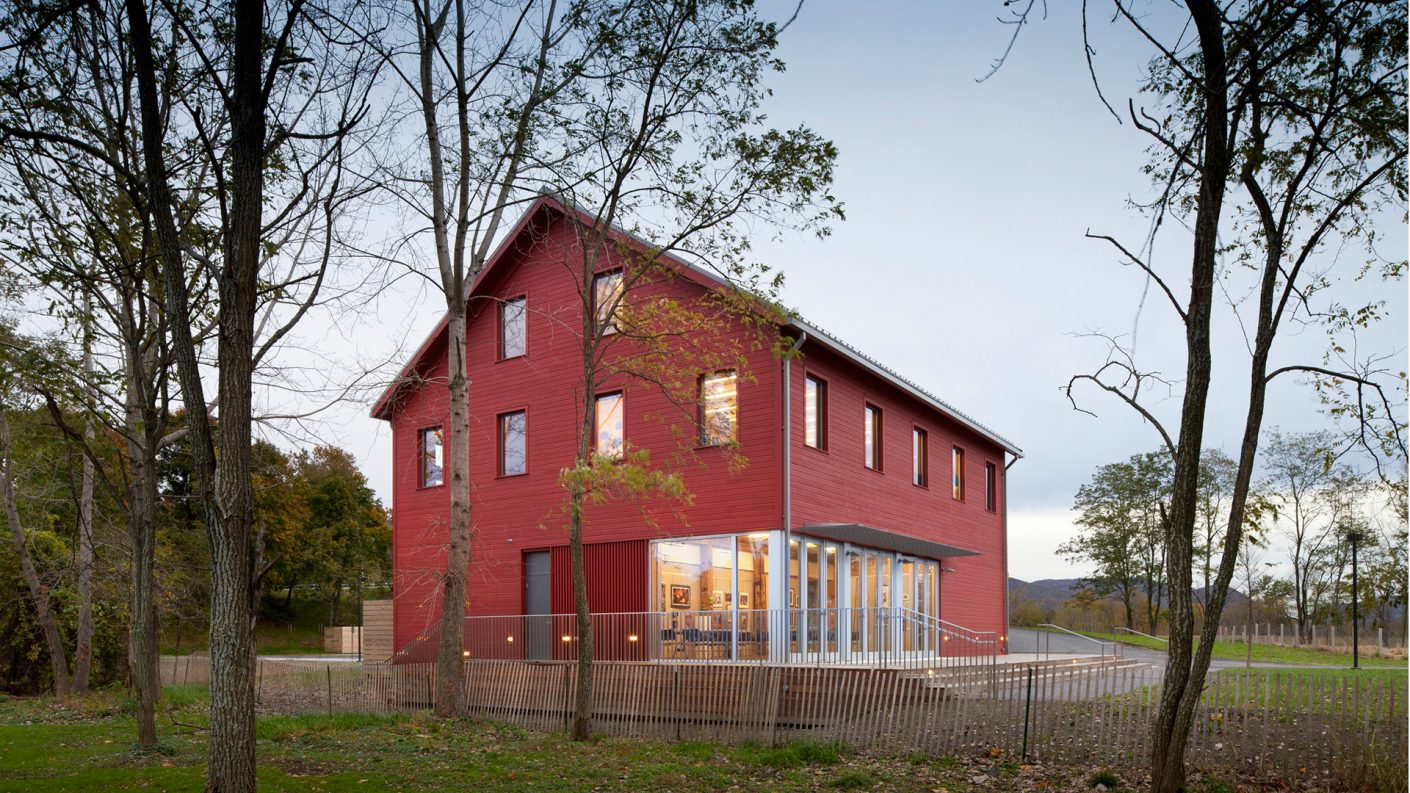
x,y
962,263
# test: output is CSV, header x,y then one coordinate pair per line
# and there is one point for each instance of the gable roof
x,y
549,203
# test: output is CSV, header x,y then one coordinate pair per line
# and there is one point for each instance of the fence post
x,y
1380,642
259,686
1332,642
1027,705
329,667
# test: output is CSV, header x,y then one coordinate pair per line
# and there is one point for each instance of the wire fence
x,y
1344,732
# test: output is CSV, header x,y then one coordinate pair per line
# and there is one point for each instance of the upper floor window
x,y
513,443
608,425
958,472
990,474
607,291
871,436
919,453
513,339
429,456
815,412
719,407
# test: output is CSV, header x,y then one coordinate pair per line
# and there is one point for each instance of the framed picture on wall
x,y
717,599
744,600
680,596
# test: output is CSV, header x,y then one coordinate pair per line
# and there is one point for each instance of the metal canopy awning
x,y
857,534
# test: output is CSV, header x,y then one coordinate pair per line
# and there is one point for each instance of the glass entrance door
x,y
908,604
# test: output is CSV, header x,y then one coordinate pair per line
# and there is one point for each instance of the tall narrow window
x,y
606,295
815,412
989,484
512,337
608,425
958,472
512,443
719,407
429,456
919,452
871,436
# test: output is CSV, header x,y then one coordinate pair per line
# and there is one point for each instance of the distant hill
x,y
1049,592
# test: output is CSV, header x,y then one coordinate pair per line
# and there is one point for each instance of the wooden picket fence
x,y
1339,732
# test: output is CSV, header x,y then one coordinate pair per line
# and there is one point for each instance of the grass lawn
x,y
1268,653
1317,691
86,745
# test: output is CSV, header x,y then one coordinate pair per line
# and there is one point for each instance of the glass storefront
x,y
713,595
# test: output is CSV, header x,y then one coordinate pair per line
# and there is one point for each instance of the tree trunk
x,y
582,705
1170,730
143,499
450,660
43,608
234,591
333,602
83,640
222,487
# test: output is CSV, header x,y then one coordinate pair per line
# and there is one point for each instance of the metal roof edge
x,y
876,367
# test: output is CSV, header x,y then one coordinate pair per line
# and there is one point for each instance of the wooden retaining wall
x,y
377,631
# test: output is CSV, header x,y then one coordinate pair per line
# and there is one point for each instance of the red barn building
x,y
869,519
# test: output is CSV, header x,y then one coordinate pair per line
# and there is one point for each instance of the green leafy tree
x,y
1121,533
345,515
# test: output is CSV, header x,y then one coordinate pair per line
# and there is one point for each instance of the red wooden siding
x,y
514,514
617,577
835,486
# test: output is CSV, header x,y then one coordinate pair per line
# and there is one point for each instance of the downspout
x,y
1009,465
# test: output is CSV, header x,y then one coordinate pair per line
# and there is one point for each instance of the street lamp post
x,y
1354,537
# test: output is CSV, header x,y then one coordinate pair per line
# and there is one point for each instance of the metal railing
x,y
895,638
1045,642
1146,635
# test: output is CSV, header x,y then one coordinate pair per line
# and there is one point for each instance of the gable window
x,y
957,468
429,456
513,340
608,425
719,407
512,443
871,436
606,295
919,454
989,486
815,412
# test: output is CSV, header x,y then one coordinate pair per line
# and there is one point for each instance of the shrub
x,y
1105,777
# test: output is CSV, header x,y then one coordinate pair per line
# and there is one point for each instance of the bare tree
x,y
248,91
483,78
1256,106
1216,483
80,230
670,146
1314,494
